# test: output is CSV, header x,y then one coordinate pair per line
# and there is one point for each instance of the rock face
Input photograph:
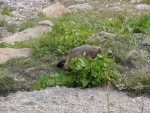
x,y
55,10
43,27
135,1
24,9
74,100
132,55
142,6
83,7
8,53
146,42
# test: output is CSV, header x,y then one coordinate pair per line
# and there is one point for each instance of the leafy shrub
x,y
84,73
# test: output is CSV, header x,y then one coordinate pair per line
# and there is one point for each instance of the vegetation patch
x,y
32,22
9,27
68,33
7,83
84,73
7,12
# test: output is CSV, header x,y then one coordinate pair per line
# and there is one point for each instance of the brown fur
x,y
90,51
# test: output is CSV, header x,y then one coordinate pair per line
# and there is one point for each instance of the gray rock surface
x,y
84,7
135,1
43,27
142,6
55,10
146,42
8,53
24,9
74,100
132,55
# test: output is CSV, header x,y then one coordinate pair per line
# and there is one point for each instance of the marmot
x,y
90,51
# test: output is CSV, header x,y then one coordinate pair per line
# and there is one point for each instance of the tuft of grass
x,y
2,23
10,27
6,11
145,2
32,22
137,81
7,83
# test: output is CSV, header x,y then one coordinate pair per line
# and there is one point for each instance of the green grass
x,y
9,27
2,23
7,12
145,2
32,23
7,83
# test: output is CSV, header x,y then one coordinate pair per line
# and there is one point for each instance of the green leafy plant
x,y
139,25
84,73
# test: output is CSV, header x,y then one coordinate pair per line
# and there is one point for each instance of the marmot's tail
x,y
61,63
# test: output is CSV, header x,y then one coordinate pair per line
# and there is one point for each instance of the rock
x,y
138,35
23,9
146,42
84,7
4,32
55,10
29,33
135,1
132,55
103,33
28,70
142,6
8,53
46,23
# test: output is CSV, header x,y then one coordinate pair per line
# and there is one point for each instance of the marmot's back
x,y
90,51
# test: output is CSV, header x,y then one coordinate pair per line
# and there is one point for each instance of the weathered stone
x,y
146,42
8,53
142,6
132,55
135,1
103,33
28,33
55,10
84,7
46,23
